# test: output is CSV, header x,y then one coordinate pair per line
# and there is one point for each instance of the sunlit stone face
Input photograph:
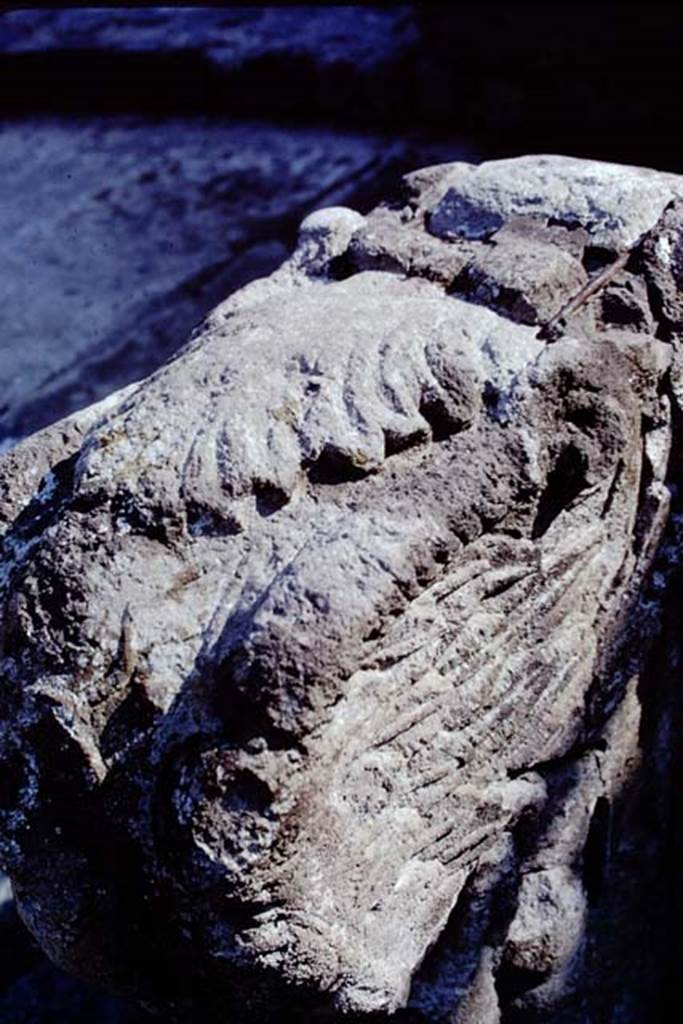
x,y
289,632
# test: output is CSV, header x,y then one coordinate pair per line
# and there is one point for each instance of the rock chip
x,y
616,205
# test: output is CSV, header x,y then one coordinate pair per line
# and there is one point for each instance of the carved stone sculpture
x,y
324,648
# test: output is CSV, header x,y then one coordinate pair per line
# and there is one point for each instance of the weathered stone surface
x,y
346,626
521,280
616,206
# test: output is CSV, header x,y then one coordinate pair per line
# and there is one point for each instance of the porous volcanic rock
x,y
338,655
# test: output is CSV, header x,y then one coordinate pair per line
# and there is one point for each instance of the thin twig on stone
x,y
552,330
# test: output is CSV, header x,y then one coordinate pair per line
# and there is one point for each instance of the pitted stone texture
x,y
664,265
521,280
336,625
616,205
544,248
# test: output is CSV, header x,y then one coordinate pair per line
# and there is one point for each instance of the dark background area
x,y
598,80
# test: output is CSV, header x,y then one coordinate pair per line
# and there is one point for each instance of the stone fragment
x,y
664,265
393,239
616,206
548,926
625,303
